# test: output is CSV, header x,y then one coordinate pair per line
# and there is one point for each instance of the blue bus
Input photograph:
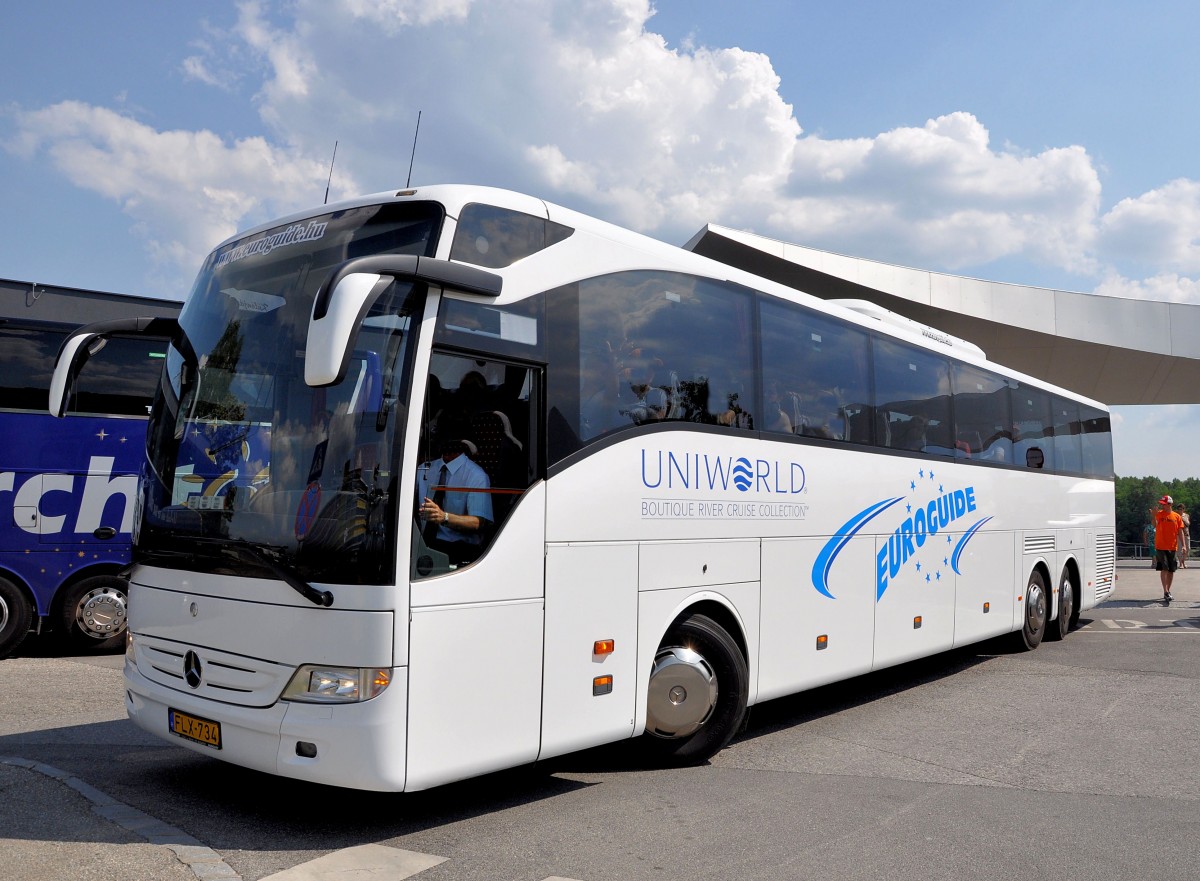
x,y
67,487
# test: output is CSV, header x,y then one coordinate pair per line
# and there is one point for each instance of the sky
x,y
1042,144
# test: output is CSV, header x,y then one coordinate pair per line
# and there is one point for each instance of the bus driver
x,y
455,517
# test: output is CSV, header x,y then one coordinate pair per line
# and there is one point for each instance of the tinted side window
x,y
496,237
26,363
1068,454
912,399
1032,428
120,378
982,417
514,329
816,379
636,348
1097,442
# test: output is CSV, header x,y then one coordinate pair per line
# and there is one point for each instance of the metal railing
x,y
1127,550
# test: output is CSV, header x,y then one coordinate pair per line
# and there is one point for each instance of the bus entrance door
x,y
475,657
477,595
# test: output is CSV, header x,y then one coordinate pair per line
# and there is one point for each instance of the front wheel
x,y
94,611
1033,623
16,617
698,690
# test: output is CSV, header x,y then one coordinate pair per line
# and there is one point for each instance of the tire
x,y
93,612
16,617
1067,614
697,693
1036,611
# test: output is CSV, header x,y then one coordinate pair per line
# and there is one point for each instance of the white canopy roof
x,y
1112,349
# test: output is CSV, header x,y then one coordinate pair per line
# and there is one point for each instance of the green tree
x,y
1135,497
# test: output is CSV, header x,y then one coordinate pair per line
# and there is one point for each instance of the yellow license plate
x,y
194,728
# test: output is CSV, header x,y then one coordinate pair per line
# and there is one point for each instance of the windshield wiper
x,y
269,558
229,443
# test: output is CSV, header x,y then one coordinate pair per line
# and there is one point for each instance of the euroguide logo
x,y
770,485
917,542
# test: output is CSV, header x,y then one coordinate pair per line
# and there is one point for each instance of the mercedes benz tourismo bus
x,y
505,481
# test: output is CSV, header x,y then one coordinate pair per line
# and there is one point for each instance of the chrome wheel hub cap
x,y
683,693
101,613
1035,607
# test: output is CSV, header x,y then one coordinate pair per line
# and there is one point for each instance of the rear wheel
x,y
16,617
1067,615
1033,624
698,690
94,611
1075,610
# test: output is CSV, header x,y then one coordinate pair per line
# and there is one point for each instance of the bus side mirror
x,y
75,351
90,339
345,299
327,353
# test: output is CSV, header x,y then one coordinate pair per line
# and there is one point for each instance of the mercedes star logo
x,y
191,669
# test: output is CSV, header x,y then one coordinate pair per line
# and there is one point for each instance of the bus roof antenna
x,y
408,182
330,179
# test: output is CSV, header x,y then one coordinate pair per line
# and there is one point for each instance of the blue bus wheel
x,y
93,612
16,617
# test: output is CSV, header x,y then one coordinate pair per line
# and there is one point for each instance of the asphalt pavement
x,y
55,824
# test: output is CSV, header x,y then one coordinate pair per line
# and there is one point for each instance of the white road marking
x,y
362,862
1130,625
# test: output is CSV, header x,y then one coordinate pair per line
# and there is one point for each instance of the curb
x,y
205,863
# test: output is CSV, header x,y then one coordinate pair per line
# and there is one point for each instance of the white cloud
x,y
1161,227
575,101
289,56
185,191
395,14
940,195
1167,286
219,61
583,103
195,68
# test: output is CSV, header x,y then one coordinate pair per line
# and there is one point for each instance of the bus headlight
x,y
318,684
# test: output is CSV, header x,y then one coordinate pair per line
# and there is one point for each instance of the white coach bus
x,y
672,490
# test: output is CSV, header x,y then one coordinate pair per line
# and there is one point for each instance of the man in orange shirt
x,y
1167,525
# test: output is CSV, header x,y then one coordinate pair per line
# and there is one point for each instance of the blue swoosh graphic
x,y
962,543
833,547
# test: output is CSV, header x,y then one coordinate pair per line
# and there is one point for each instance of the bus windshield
x,y
242,455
